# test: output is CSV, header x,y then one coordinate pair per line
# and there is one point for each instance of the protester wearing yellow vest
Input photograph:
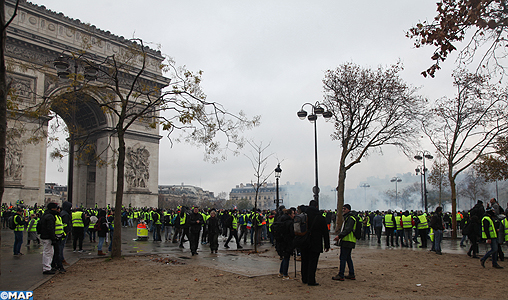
x,y
78,229
32,229
407,226
422,226
60,234
232,221
20,222
347,244
489,233
399,235
389,222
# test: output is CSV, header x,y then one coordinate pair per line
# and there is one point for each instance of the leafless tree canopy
x,y
465,127
371,109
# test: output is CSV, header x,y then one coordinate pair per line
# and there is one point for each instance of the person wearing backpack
x,y
20,223
347,243
311,250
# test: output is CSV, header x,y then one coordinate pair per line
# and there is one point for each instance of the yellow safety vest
x,y
406,222
59,226
505,224
19,226
492,229
350,237
397,222
389,221
76,219
423,222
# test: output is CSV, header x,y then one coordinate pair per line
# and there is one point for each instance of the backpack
x,y
12,224
97,226
228,223
167,220
300,224
358,226
278,229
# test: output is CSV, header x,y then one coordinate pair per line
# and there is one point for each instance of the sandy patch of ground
x,y
380,274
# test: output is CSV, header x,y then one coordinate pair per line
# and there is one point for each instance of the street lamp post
x,y
316,111
62,66
396,179
424,155
278,170
419,170
365,186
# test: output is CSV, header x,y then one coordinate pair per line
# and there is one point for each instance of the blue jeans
x,y
18,240
284,264
438,237
492,251
61,248
110,240
345,257
101,242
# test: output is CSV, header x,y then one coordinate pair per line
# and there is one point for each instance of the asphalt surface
x,y
24,273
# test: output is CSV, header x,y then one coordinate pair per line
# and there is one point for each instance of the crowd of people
x,y
303,231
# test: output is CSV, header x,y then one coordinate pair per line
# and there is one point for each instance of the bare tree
x,y
258,160
438,177
4,91
371,109
473,187
134,95
465,127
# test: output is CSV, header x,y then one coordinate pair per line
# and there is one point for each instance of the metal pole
x,y
421,188
316,187
277,194
425,185
396,193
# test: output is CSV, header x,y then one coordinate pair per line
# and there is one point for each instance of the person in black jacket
x,y
102,232
314,247
195,222
284,243
213,231
48,237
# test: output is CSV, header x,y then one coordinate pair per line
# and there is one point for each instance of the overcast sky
x,y
268,58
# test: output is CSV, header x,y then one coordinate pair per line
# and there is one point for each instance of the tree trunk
x,y
3,102
341,187
117,236
454,207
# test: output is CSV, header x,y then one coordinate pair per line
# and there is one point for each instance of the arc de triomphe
x,y
37,37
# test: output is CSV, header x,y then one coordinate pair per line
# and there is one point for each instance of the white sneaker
x,y
280,275
286,278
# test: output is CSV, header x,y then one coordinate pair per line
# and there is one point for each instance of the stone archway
x,y
37,37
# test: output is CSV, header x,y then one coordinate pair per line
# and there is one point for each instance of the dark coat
x,y
213,225
47,226
65,214
284,244
195,226
436,221
318,230
103,226
349,225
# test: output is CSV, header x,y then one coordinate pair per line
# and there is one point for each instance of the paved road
x,y
24,273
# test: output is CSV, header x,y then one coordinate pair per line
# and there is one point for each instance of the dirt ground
x,y
380,274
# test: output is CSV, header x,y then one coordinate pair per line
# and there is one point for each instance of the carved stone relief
x,y
13,159
137,166
23,88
